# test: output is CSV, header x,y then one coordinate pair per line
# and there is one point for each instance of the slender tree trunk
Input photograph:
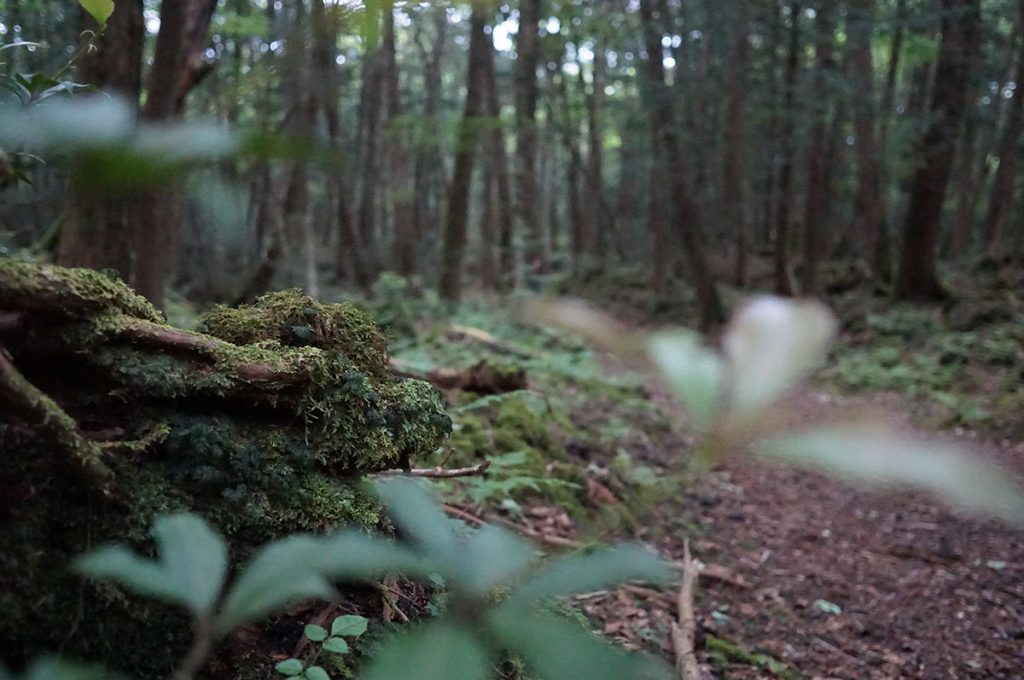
x,y
431,173
1000,206
370,115
662,120
527,58
400,191
869,213
783,284
734,187
595,237
961,28
454,245
818,171
499,189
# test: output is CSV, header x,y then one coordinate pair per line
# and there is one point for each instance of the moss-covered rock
x,y
263,424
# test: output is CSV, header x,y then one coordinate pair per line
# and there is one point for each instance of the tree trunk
x,y
499,191
595,237
783,284
734,187
1000,207
869,213
454,244
98,231
527,58
400,191
961,29
662,121
370,114
818,170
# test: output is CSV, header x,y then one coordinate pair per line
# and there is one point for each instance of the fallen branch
x,y
439,472
684,630
49,421
482,378
525,531
487,339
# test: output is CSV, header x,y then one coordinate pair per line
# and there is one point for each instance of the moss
x,y
76,292
297,320
263,427
722,652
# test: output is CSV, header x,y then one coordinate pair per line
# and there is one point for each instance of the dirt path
x,y
842,582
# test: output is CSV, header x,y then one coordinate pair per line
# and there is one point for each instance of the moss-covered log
x,y
262,422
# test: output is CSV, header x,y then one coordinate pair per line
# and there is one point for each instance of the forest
x,y
529,340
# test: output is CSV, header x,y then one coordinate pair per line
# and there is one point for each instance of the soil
x,y
832,580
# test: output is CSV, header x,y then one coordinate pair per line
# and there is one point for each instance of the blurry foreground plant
x,y
769,347
495,604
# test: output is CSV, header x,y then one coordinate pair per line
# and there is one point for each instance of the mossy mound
x,y
263,425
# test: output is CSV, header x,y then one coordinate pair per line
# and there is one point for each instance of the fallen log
x,y
263,421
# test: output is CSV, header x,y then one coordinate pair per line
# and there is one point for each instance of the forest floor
x,y
803,575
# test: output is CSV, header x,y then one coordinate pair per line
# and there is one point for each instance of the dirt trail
x,y
843,582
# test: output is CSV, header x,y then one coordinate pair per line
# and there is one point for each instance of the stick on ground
x,y
685,629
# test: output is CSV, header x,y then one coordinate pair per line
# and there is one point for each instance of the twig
x,y
440,472
684,630
526,531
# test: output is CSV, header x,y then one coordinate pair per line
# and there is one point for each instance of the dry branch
x,y
684,629
440,472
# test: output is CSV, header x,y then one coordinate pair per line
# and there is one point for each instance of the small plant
x,y
331,641
495,603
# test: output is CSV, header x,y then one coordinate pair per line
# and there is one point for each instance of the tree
x,y
527,58
454,244
1000,206
869,215
961,28
783,219
818,164
734,195
662,121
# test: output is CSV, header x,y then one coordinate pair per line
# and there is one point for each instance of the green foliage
x,y
770,345
332,642
457,644
100,10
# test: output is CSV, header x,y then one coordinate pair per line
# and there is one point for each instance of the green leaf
x,y
100,10
191,570
418,516
289,667
336,645
195,557
555,650
693,371
879,455
315,633
117,563
283,572
349,625
581,573
491,557
52,668
316,673
352,555
439,651
772,344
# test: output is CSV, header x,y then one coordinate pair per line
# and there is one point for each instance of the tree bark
x,y
527,58
818,170
869,213
734,186
454,244
400,191
662,121
1000,206
783,284
961,29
